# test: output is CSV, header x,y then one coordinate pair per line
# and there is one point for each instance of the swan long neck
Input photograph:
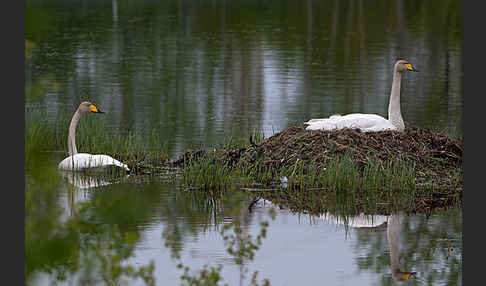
x,y
393,236
72,133
394,112
393,244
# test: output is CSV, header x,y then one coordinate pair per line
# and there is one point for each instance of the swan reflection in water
x,y
79,183
358,221
393,236
82,181
393,223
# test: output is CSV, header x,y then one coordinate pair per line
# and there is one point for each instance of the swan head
x,y
87,107
403,65
403,276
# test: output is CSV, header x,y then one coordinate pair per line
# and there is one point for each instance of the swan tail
x,y
83,161
107,161
323,120
322,125
120,164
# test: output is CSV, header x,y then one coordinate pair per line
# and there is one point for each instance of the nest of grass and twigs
x,y
424,165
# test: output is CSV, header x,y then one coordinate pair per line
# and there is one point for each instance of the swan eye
x,y
93,108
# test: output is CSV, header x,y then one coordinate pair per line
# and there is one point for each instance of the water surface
x,y
197,72
299,248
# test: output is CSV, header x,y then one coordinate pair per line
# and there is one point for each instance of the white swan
x,y
79,161
370,122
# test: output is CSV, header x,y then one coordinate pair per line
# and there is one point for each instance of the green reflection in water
x,y
74,246
170,67
430,245
89,241
112,220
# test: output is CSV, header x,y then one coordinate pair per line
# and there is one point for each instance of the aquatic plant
x,y
340,174
206,173
257,173
241,245
73,247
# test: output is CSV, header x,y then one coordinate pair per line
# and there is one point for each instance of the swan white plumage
x,y
79,161
370,122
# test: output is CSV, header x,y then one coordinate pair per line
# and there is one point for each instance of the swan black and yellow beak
x,y
407,275
411,68
94,109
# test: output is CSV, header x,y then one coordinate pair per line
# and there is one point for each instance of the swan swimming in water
x,y
79,161
370,122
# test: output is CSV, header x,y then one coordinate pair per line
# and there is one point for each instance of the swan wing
x,y
83,161
313,121
365,122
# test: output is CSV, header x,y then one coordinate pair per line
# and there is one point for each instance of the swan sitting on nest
x,y
370,122
79,161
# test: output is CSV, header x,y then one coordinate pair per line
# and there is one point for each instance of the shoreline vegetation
x,y
417,170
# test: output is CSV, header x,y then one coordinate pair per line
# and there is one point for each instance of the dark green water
x,y
144,222
197,72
